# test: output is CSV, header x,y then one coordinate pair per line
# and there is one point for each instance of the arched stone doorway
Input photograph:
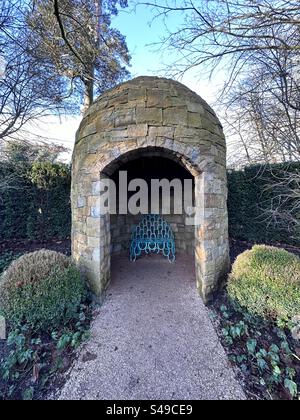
x,y
148,164
141,118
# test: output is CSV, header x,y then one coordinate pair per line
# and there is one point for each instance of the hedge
x,y
266,281
38,204
43,288
35,199
250,195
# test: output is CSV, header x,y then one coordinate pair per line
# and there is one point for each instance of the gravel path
x,y
152,339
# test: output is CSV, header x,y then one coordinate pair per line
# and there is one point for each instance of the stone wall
x,y
150,115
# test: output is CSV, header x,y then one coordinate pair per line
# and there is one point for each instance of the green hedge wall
x,y
35,203
251,193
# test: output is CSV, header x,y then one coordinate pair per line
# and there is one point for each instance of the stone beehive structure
x,y
150,116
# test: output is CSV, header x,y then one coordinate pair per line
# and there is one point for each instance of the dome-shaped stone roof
x,y
154,102
159,91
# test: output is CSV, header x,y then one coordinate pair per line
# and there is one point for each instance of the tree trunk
x,y
88,96
89,82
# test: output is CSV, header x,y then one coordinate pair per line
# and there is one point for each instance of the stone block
x,y
188,133
124,117
138,94
194,120
92,227
81,202
167,132
175,116
80,238
214,201
95,212
117,134
195,107
156,98
105,119
139,130
89,130
96,187
93,242
149,115
210,124
96,254
118,99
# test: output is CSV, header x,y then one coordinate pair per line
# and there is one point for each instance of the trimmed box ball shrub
x,y
43,289
266,281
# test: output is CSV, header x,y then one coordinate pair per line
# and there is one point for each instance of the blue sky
x,y
135,25
147,59
142,31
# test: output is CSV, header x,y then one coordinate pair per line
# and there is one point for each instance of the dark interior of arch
x,y
149,152
148,167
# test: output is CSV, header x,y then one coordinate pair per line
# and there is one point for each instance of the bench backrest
x,y
153,226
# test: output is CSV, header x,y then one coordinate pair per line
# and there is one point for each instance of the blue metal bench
x,y
152,235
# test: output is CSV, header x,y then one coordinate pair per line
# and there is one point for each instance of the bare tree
x,y
283,209
28,89
6,13
256,44
57,54
257,112
228,32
